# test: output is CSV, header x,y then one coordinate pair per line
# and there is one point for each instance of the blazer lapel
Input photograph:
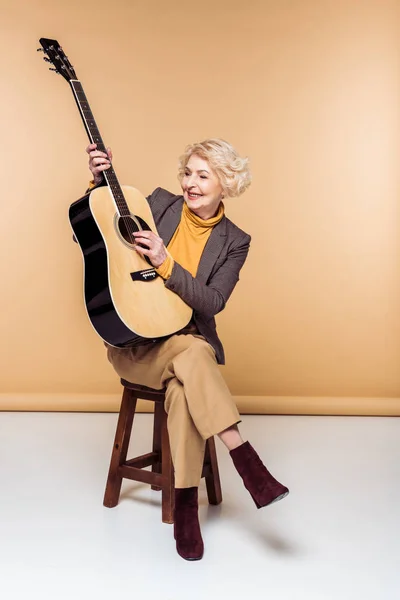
x,y
168,224
212,250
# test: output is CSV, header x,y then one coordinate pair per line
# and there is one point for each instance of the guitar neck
x,y
95,138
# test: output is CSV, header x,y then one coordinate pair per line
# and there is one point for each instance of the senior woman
x,y
202,265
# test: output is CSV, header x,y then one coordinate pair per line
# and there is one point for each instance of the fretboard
x,y
95,138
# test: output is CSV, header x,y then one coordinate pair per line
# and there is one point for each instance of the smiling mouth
x,y
193,195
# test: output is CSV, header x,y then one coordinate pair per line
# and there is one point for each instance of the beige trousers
x,y
198,401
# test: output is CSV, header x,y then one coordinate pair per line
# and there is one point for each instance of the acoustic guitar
x,y
126,301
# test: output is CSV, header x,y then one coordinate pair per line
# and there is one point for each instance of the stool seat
x,y
161,477
142,388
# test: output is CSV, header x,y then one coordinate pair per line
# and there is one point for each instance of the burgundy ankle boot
x,y
189,543
263,487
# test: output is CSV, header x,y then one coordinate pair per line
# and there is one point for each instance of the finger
x,y
145,233
91,147
99,160
142,251
97,153
143,242
109,152
142,238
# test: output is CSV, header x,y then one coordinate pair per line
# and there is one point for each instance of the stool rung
x,y
143,461
140,475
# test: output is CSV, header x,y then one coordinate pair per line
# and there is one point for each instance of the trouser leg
x,y
187,445
208,398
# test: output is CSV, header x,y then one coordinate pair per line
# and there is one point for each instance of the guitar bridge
x,y
146,275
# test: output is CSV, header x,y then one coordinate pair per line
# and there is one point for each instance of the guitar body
x,y
127,303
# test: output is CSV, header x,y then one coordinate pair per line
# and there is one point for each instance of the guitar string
x,y
128,221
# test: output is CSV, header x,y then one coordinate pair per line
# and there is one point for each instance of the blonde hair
x,y
232,170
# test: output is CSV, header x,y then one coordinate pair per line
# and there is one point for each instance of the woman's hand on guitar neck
x,y
149,244
98,161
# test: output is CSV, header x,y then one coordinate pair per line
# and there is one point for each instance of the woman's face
x,y
202,190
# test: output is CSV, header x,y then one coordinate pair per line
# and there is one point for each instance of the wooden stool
x,y
162,475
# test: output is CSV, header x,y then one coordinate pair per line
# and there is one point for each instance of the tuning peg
x,y
39,50
50,69
46,59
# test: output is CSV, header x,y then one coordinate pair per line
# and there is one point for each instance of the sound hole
x,y
126,227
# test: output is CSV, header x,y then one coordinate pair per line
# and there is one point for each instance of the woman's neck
x,y
207,212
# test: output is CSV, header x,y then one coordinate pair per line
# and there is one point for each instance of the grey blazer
x,y
218,273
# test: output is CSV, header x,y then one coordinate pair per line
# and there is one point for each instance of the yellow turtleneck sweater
x,y
188,242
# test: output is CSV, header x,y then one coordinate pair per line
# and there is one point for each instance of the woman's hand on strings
x,y
146,242
151,245
98,161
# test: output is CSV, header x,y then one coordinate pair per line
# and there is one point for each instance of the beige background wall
x,y
310,91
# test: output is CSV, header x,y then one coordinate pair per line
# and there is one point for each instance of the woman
x,y
205,254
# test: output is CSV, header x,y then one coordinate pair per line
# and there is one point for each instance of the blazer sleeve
x,y
211,298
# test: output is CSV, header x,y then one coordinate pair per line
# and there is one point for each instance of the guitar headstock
x,y
57,57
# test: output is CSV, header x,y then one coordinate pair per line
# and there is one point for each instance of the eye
x,y
203,177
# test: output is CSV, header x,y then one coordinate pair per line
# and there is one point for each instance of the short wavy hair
x,y
233,171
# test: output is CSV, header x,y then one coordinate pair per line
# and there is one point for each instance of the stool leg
x,y
157,443
120,449
168,488
213,482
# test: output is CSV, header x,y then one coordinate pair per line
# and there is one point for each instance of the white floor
x,y
336,536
